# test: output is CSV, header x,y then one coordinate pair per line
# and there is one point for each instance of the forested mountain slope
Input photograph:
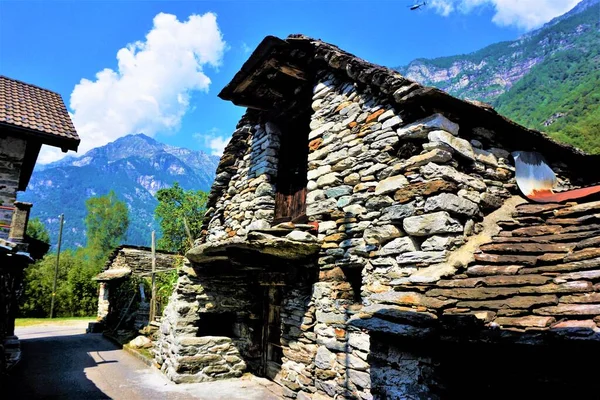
x,y
134,166
548,79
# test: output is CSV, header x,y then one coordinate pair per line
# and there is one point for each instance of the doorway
x,y
271,338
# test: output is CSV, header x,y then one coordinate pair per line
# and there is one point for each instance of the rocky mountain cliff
x,y
134,166
547,79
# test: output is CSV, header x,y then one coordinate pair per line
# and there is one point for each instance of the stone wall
x,y
103,301
242,196
189,334
401,204
393,199
12,257
404,200
11,159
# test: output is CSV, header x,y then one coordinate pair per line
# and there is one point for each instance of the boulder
x,y
452,203
431,224
141,342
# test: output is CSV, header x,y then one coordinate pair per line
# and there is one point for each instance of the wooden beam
x,y
287,69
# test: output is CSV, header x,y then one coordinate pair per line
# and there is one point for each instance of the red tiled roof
x,y
37,111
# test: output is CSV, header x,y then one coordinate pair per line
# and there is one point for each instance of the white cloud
x,y
245,48
217,145
524,14
442,7
215,141
149,92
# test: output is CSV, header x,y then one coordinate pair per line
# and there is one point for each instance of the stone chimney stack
x,y
20,218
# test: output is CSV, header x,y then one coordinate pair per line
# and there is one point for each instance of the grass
x,y
20,322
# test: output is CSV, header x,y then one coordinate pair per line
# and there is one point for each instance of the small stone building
x,y
365,238
125,262
29,117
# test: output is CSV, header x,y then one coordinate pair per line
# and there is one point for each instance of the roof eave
x,y
64,143
258,56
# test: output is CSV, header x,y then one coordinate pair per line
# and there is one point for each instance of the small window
x,y
216,324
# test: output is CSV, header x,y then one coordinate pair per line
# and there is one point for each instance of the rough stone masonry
x,y
418,245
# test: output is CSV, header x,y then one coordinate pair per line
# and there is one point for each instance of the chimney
x,y
20,218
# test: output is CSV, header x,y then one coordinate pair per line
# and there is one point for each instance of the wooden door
x,y
272,350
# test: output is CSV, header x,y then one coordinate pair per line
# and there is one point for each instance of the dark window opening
x,y
290,199
217,324
354,278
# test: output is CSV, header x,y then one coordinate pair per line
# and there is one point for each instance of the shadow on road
x,y
56,367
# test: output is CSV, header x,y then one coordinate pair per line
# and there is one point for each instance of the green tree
x,y
37,230
38,286
178,208
106,223
76,293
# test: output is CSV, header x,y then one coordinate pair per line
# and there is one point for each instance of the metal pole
x,y
188,233
153,299
62,218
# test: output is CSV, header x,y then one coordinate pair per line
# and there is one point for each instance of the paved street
x,y
63,362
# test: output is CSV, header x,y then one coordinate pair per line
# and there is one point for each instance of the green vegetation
x,y
557,68
22,322
165,282
106,224
134,166
564,85
37,230
76,293
180,214
488,54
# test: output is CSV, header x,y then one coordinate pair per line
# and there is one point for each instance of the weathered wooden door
x,y
272,350
290,199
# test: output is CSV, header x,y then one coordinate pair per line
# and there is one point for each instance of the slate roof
x,y
128,259
539,275
36,111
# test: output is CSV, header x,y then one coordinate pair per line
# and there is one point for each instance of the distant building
x,y
119,302
29,117
368,238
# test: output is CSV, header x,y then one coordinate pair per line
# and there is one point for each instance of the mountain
x,y
134,166
547,79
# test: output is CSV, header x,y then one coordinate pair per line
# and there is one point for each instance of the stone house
x,y
366,237
123,264
29,117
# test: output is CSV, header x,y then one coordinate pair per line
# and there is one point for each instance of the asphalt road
x,y
63,362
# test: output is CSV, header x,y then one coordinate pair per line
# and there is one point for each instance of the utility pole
x,y
153,299
62,220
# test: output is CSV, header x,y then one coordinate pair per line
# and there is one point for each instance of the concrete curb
x,y
134,352
137,354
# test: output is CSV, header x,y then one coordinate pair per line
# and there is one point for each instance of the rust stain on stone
x,y
375,115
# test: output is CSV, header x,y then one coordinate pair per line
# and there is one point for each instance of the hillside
x,y
548,79
134,166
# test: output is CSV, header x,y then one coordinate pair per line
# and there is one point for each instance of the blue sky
x,y
161,85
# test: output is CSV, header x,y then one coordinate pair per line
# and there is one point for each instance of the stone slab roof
x,y
137,260
278,69
540,275
36,111
112,274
